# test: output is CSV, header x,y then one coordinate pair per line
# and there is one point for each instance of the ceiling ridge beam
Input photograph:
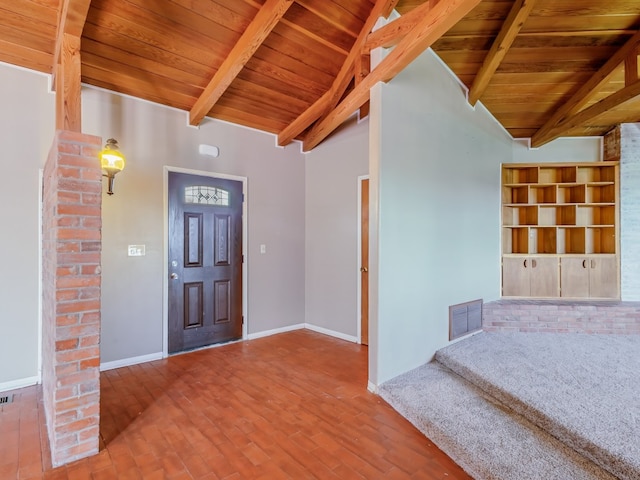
x,y
255,34
435,22
518,14
584,93
614,100
330,99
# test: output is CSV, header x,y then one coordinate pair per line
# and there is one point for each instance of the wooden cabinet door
x,y
515,277
603,277
574,277
545,276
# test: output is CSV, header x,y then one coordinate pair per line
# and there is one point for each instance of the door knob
x,y
364,269
174,276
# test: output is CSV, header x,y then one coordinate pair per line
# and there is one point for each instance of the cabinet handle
x,y
584,264
525,263
533,263
593,263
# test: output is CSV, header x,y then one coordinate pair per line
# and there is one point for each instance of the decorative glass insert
x,y
204,195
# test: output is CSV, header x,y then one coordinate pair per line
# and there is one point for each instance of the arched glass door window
x,y
204,195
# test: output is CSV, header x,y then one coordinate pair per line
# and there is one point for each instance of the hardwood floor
x,y
290,406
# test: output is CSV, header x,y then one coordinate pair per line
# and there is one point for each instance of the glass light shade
x,y
111,159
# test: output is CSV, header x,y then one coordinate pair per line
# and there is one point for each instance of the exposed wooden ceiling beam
x,y
587,115
265,20
389,35
631,67
510,28
68,104
306,118
71,19
66,66
584,93
434,23
330,99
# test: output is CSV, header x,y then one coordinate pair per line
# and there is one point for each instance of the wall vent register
x,y
465,318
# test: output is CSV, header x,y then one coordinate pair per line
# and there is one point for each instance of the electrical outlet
x,y
136,250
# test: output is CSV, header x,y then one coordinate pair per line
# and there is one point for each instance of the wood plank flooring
x,y
290,406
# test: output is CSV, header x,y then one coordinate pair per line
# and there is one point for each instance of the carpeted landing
x,y
518,406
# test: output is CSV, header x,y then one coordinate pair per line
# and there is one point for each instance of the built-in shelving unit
x,y
557,216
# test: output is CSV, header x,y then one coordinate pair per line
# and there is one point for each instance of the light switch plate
x,y
136,251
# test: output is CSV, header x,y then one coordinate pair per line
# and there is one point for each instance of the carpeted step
x,y
487,440
582,389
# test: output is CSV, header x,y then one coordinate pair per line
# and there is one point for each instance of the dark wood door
x,y
205,261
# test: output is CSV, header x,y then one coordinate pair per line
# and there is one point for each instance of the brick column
x,y
71,248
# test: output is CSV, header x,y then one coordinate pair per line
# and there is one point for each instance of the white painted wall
x,y
153,136
26,132
331,252
436,172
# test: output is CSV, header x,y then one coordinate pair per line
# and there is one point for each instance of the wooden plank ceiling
x,y
544,68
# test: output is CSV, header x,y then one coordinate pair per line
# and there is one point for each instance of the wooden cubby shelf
x,y
560,230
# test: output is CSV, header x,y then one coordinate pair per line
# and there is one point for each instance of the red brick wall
x,y
71,222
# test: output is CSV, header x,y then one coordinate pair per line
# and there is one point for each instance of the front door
x,y
205,261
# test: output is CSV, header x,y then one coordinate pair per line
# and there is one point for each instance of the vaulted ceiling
x,y
298,69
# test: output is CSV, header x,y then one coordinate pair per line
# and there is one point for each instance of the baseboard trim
x,y
126,362
331,333
372,387
275,331
20,383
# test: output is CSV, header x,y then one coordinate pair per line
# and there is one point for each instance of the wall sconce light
x,y
112,162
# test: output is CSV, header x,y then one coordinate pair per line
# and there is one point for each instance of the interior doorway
x,y
364,260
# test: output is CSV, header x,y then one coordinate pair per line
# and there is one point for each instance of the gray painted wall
x,y
436,171
153,136
435,209
574,149
332,263
26,117
289,212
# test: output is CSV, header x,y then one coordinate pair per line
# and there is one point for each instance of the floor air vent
x,y
465,318
4,399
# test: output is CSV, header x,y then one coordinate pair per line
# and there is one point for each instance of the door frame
x,y
40,288
165,241
358,273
